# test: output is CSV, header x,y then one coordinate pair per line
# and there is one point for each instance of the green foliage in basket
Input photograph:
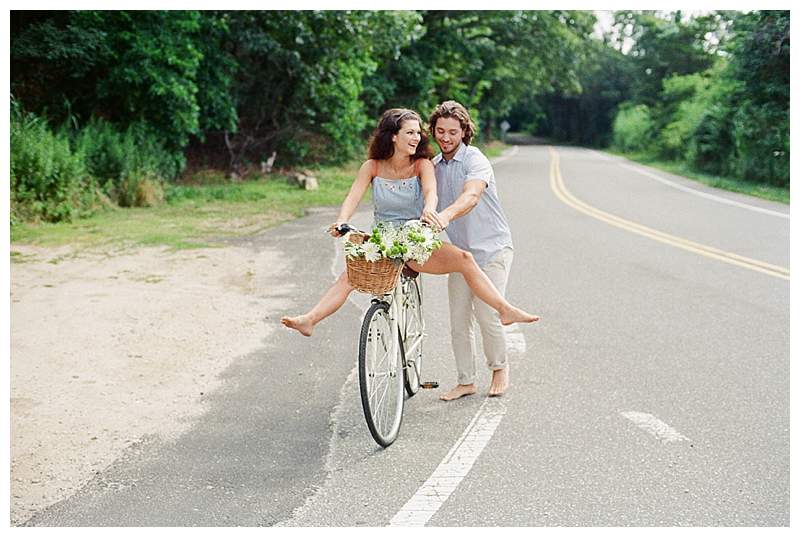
x,y
412,241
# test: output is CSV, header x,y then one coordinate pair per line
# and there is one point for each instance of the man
x,y
470,210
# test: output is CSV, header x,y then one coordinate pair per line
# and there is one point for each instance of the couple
x,y
456,190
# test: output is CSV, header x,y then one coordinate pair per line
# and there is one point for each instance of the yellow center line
x,y
561,192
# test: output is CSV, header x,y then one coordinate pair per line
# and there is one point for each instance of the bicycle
x,y
390,354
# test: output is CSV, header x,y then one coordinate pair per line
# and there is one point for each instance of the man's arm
x,y
469,198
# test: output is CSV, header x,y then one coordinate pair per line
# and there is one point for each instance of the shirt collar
x,y
460,155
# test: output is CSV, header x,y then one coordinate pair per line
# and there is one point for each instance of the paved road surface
x,y
654,391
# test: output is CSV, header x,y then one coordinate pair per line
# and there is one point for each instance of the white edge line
x,y
444,480
421,507
706,195
507,156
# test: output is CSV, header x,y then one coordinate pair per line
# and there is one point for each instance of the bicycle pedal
x,y
431,384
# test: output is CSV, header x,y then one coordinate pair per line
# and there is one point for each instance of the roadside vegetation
x,y
705,97
178,127
202,211
195,215
759,190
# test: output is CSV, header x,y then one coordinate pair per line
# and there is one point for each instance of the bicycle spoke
x,y
376,386
384,408
379,405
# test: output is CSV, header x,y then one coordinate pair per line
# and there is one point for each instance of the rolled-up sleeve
x,y
477,166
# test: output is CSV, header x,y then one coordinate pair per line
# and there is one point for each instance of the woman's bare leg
x,y
331,301
449,259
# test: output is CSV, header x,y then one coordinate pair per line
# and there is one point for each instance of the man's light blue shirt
x,y
483,231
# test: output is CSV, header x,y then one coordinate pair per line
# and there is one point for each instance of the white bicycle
x,y
390,354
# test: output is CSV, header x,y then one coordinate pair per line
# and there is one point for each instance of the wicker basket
x,y
373,277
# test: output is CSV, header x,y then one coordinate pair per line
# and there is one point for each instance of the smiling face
x,y
448,134
407,138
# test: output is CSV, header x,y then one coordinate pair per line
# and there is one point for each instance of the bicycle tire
x,y
415,328
382,402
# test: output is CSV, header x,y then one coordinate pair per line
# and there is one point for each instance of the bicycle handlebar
x,y
344,228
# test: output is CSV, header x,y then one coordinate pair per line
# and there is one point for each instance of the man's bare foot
x,y
301,323
459,391
499,382
515,315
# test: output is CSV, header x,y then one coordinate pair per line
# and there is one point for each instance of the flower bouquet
x,y
374,261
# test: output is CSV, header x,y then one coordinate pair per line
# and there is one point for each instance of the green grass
x,y
201,212
196,215
493,149
768,192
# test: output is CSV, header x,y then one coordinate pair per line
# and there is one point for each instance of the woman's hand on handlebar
x,y
338,229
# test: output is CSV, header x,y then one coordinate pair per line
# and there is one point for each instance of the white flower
x,y
410,242
352,249
389,234
371,252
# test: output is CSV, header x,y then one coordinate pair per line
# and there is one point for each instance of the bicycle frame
x,y
397,314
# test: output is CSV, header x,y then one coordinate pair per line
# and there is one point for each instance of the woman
x,y
404,188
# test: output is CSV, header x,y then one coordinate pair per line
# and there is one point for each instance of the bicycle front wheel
x,y
380,374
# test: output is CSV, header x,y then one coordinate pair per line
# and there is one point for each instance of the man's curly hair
x,y
456,110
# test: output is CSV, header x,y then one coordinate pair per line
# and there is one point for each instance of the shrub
x,y
122,161
761,138
689,97
113,154
48,180
633,128
138,191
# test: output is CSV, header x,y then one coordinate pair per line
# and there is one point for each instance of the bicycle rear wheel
x,y
380,375
412,338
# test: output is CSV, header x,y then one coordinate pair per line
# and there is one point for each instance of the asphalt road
x,y
653,392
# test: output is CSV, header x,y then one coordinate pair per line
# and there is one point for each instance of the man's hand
x,y
435,219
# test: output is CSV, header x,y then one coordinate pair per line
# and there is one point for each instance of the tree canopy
x,y
229,89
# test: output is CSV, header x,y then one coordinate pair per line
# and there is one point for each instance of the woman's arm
x,y
357,190
428,179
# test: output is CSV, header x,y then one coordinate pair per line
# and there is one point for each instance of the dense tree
x,y
127,67
760,66
488,60
584,116
664,45
299,78
730,117
133,93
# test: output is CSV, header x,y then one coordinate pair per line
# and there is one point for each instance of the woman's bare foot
x,y
499,382
459,391
513,315
301,323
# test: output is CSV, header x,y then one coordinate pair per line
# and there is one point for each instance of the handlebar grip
x,y
344,228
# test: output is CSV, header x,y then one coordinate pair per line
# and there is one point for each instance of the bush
x,y
127,163
138,191
633,128
55,176
118,159
710,149
48,181
688,98
761,138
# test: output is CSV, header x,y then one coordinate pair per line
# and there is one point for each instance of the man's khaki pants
x,y
467,310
